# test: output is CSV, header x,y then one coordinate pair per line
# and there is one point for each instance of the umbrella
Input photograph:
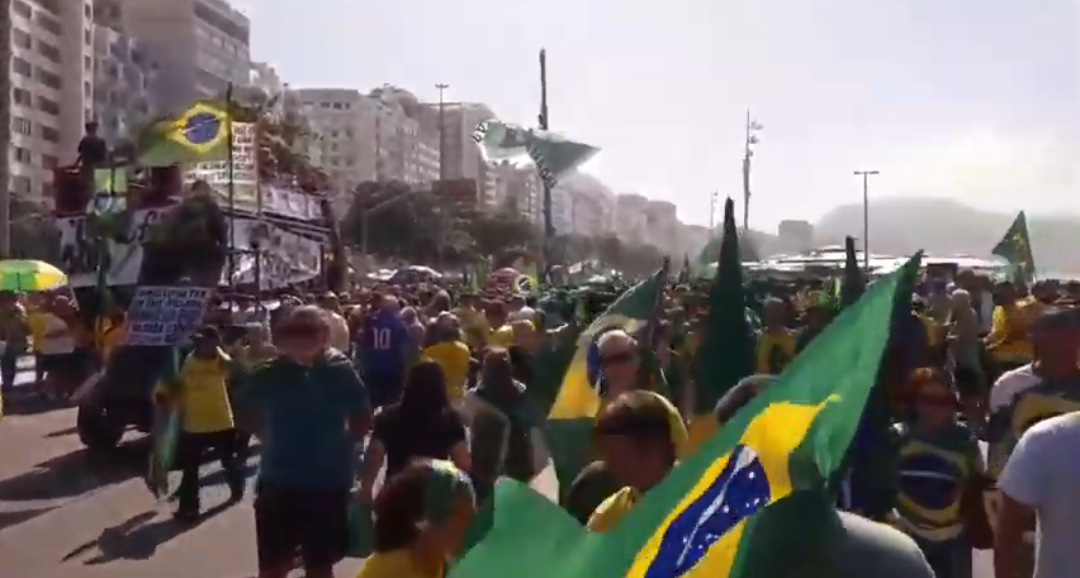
x,y
20,275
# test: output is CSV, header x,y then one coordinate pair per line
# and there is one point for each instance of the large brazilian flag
x,y
701,521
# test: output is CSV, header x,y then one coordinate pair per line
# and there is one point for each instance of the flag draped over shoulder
x,y
726,353
199,134
702,519
568,429
1015,247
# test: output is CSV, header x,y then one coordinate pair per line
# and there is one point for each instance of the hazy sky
x,y
974,99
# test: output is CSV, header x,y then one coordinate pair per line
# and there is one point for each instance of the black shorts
x,y
313,523
68,365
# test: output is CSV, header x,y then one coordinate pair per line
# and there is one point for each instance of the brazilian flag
x,y
701,521
199,134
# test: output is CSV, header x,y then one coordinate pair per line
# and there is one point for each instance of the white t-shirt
x,y
1043,473
65,343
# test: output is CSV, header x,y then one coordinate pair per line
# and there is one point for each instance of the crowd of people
x,y
426,387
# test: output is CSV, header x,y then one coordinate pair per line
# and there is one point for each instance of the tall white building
x,y
460,153
631,218
129,91
204,44
361,138
662,224
519,189
47,88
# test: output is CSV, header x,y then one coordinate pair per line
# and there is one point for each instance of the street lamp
x,y
442,130
866,214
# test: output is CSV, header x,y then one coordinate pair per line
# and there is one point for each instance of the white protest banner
x,y
165,315
245,173
78,251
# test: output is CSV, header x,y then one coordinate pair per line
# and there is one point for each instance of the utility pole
x,y
752,129
544,120
866,214
442,131
713,199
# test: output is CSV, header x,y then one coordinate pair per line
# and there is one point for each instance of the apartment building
x,y
48,89
204,44
519,189
129,88
453,128
631,221
661,224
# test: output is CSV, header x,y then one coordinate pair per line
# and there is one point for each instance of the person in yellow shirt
x,y
638,436
1009,341
472,322
421,517
451,354
776,344
200,392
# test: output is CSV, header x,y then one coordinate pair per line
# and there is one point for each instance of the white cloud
x,y
1036,171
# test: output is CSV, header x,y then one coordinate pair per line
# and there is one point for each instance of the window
x,y
49,51
88,89
50,5
238,32
20,184
88,36
22,125
22,96
49,134
49,23
49,161
48,106
22,38
23,155
21,66
22,9
88,11
47,78
88,63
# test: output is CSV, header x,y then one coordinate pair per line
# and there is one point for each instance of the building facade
x,y
204,44
631,219
795,236
661,224
47,46
519,188
128,89
452,130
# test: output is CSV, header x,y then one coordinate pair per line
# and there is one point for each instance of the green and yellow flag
x,y
200,134
1015,247
726,353
568,429
701,521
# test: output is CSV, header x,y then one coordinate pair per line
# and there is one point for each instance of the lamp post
x,y
866,214
442,130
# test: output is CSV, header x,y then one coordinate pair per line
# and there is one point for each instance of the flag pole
x,y
549,225
231,184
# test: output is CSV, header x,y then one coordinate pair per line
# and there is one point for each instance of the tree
x,y
496,231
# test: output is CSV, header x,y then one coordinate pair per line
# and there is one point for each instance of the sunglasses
x,y
617,358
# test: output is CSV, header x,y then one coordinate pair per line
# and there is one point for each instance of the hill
x,y
946,227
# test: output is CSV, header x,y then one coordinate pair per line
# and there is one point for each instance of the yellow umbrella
x,y
27,275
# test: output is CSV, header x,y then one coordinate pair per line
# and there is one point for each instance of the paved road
x,y
65,515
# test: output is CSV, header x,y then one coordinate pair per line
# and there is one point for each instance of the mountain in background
x,y
946,227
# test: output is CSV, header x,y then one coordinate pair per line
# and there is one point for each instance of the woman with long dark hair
x,y
421,425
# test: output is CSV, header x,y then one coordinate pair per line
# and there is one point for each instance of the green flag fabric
x,y
702,519
1015,247
853,283
553,154
726,353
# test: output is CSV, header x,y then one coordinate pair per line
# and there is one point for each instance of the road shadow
x,y
23,401
63,433
135,539
76,473
9,519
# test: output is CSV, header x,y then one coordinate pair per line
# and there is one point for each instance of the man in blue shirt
x,y
310,409
385,352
